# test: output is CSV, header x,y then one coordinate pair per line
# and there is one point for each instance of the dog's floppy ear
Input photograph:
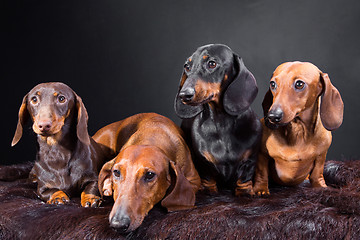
x,y
267,102
82,119
104,180
332,106
182,195
181,109
23,118
242,90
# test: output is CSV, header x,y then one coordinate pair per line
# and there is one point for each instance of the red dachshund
x,y
300,108
153,165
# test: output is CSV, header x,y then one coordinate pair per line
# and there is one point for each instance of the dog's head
x,y
294,89
138,178
214,73
51,107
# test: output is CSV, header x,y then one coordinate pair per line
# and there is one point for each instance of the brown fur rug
x,y
288,213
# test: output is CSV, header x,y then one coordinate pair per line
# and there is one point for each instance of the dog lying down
x,y
298,212
68,160
153,164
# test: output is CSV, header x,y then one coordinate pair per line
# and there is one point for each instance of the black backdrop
x,y
126,57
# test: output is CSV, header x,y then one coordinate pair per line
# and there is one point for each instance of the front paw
x,y
319,183
58,197
209,186
90,200
244,189
261,190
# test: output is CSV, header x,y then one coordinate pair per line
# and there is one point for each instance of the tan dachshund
x,y
153,164
300,109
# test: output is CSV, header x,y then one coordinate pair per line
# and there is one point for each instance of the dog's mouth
x,y
274,125
47,132
270,124
199,102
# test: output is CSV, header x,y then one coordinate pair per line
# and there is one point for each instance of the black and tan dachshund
x,y
214,97
68,159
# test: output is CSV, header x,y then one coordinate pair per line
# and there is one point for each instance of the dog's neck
x,y
214,107
303,126
63,140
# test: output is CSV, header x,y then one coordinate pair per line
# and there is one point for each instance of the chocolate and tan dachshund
x,y
214,97
300,109
151,164
68,160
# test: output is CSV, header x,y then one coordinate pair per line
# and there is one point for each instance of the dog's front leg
x,y
316,175
262,176
245,172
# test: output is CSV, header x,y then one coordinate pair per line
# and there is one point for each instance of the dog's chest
x,y
58,168
219,139
302,150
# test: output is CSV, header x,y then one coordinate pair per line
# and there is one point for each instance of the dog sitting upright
x,y
300,109
214,97
68,160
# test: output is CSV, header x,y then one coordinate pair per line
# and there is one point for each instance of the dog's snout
x,y
187,94
120,223
275,115
44,125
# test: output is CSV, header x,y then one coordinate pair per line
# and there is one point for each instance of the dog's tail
x,y
341,173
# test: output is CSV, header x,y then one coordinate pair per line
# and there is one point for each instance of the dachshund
x,y
213,99
301,108
151,164
68,160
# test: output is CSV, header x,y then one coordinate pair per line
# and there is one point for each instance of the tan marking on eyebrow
x,y
55,94
189,59
205,57
38,93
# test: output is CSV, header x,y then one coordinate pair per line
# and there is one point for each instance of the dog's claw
x,y
263,193
90,200
96,203
58,198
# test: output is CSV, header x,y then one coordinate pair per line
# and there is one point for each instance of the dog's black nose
x,y
187,95
275,115
120,223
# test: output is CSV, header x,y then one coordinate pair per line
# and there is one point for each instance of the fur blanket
x,y
288,213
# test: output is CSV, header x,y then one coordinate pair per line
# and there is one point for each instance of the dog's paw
x,y
90,200
261,191
319,184
209,186
58,197
244,188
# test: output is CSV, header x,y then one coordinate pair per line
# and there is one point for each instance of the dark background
x,y
126,57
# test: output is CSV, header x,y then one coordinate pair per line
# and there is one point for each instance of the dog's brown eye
x,y
116,173
34,100
149,176
61,98
299,84
273,85
212,64
187,67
